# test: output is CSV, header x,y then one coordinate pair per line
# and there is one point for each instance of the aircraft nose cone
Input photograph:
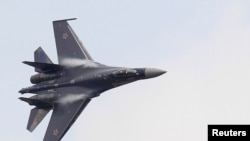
x,y
153,72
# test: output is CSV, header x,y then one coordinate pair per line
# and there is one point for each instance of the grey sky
x,y
204,46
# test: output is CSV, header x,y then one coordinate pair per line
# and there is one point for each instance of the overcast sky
x,y
204,46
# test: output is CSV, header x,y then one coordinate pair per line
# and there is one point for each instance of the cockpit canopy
x,y
124,73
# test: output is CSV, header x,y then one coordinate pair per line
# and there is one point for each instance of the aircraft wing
x,y
67,43
65,112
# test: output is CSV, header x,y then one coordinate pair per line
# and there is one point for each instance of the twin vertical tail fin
x,y
38,113
41,57
36,116
42,63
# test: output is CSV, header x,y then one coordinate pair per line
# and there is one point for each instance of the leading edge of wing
x,y
64,114
67,43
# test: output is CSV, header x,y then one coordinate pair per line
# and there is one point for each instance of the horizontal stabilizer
x,y
36,102
43,67
36,116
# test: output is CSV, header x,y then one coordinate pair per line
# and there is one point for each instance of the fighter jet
x,y
67,87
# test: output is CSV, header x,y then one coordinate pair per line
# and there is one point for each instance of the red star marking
x,y
55,132
65,36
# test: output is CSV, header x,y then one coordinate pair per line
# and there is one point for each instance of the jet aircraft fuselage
x,y
96,78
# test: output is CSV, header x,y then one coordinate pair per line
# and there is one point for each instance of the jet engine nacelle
x,y
37,78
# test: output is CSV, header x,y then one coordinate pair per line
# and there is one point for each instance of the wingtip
x,y
65,20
